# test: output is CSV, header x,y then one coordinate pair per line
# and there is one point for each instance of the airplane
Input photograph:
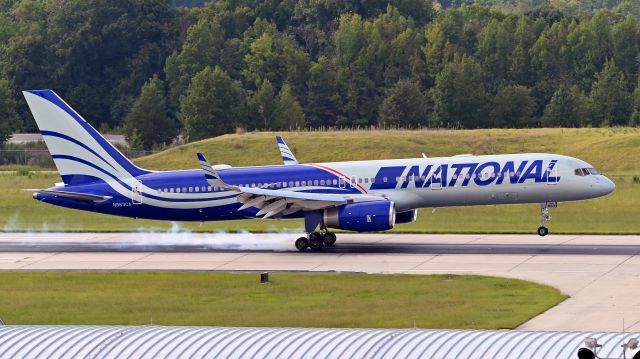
x,y
361,196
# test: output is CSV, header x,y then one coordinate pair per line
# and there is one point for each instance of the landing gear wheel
x,y
545,217
543,231
315,242
329,239
302,244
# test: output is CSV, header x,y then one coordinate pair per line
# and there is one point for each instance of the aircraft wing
x,y
287,156
278,202
281,202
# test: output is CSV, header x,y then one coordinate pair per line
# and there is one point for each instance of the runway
x,y
600,273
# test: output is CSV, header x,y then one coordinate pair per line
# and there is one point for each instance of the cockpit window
x,y
586,171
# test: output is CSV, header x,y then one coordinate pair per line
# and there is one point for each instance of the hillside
x,y
609,149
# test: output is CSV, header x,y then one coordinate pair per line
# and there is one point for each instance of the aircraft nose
x,y
607,186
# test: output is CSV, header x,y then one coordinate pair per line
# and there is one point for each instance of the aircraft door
x,y
341,182
136,191
552,173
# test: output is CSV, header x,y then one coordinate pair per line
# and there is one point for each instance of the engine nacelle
x,y
407,216
361,216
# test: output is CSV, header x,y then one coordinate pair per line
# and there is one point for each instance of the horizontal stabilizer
x,y
85,197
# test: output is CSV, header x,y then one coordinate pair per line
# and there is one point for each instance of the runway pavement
x,y
600,273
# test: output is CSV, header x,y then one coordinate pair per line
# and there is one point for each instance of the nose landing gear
x,y
316,241
545,217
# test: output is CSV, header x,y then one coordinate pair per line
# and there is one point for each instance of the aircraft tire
x,y
543,231
329,239
315,242
302,244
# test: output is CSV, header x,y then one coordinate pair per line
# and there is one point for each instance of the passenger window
x,y
297,183
335,182
190,189
178,190
366,180
384,179
315,182
322,182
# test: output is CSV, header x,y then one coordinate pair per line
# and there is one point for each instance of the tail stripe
x,y
73,140
80,160
128,189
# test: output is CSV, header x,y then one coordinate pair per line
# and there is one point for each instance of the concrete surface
x,y
604,288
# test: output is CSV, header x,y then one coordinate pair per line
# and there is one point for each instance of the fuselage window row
x,y
327,182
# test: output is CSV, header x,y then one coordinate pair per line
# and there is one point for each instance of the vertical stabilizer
x,y
80,153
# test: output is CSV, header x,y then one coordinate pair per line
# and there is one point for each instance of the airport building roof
x,y
219,342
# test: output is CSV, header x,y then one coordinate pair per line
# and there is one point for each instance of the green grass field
x,y
290,300
614,151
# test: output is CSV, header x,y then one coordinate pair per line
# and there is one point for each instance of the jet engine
x,y
361,216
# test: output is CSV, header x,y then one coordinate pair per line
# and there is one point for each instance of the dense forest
x,y
154,69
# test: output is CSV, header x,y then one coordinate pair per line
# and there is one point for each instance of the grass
x,y
610,150
290,300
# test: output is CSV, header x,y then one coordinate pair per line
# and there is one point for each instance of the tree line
x,y
154,70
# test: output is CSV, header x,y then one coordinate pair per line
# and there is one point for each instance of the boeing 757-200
x,y
362,196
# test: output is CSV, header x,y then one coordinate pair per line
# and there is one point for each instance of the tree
x,y
8,116
404,106
568,108
513,106
148,122
625,37
289,114
610,98
323,97
459,95
264,103
202,48
276,57
494,48
214,105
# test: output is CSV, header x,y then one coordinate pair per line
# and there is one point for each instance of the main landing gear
x,y
545,217
316,241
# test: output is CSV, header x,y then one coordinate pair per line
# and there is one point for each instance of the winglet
x,y
211,174
287,156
